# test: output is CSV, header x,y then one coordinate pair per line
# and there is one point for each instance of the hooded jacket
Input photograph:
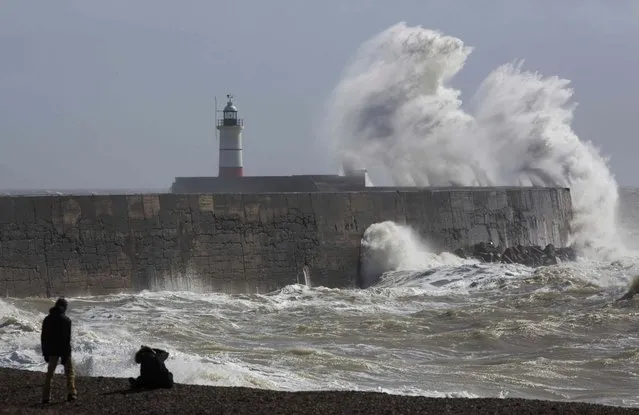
x,y
56,333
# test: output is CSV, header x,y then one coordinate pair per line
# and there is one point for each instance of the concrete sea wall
x,y
89,245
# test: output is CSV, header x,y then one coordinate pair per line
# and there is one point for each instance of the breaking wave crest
x,y
394,110
388,246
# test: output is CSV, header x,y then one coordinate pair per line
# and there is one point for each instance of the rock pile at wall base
x,y
532,256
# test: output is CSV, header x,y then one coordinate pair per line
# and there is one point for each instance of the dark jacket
x,y
56,334
153,372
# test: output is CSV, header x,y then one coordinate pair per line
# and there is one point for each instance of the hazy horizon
x,y
114,95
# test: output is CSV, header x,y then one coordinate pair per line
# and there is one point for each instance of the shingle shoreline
x,y
20,393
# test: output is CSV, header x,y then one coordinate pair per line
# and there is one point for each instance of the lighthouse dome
x,y
230,107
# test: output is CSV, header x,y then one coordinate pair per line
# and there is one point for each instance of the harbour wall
x,y
241,243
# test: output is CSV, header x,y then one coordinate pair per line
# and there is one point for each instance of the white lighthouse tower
x,y
230,127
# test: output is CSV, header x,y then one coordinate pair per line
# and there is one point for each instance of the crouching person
x,y
55,340
153,371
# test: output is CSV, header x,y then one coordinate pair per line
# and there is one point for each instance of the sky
x,y
120,93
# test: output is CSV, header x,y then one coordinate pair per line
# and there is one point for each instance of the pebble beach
x,y
20,393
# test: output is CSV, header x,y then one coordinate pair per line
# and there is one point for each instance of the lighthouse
x,y
230,127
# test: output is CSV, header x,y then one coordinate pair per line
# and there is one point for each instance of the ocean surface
x,y
432,325
453,328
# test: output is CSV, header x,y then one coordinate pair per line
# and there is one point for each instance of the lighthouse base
x,y
231,172
269,184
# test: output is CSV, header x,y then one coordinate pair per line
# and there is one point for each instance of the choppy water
x,y
433,325
453,329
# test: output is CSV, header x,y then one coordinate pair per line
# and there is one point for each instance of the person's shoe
x,y
71,397
45,401
132,382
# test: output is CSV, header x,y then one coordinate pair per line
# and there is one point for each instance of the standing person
x,y
56,348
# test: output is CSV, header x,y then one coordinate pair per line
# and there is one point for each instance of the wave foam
x,y
387,246
395,110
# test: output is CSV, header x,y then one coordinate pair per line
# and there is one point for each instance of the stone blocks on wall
x,y
70,245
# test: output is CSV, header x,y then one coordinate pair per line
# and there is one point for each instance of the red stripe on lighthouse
x,y
231,172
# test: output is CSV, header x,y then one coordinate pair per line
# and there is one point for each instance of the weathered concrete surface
x,y
72,245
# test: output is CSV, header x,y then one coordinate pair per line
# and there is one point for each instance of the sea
x,y
452,328
431,324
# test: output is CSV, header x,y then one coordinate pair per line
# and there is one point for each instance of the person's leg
x,y
69,371
168,384
46,389
133,382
